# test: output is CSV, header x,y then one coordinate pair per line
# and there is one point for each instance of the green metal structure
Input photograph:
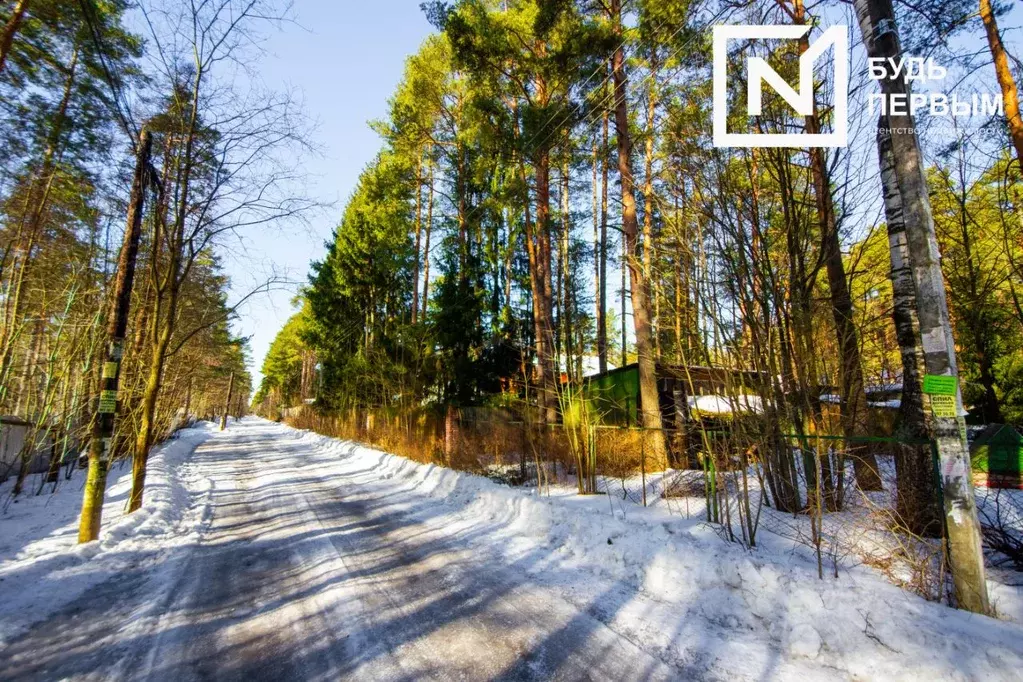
x,y
615,394
998,452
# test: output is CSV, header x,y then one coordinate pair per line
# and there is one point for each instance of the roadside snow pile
x,y
41,566
691,595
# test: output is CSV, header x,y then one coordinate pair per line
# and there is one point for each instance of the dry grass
x,y
483,439
413,438
620,452
868,531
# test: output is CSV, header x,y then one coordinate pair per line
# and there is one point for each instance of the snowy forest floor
x,y
859,537
264,552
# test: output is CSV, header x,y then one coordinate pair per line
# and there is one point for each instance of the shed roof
x,y
997,434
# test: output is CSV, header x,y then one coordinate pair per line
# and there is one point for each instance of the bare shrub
x,y
1001,518
619,452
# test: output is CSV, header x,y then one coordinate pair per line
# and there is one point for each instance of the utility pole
x,y
117,325
227,403
941,384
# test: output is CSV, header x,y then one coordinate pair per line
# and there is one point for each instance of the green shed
x,y
615,394
998,452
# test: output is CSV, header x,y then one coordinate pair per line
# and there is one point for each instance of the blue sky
x,y
344,58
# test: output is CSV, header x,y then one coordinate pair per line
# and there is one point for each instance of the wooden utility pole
x,y
117,324
941,382
227,403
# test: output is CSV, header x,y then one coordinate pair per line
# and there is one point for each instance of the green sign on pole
x,y
938,384
107,402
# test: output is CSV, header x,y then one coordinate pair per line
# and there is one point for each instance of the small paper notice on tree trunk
x,y
107,402
943,405
109,370
938,384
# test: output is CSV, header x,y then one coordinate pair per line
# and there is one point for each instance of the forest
x,y
548,205
132,153
552,271
511,339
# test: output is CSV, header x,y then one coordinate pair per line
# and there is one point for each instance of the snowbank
x,y
41,566
760,610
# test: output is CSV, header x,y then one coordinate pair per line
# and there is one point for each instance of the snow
x,y
41,565
590,364
893,404
722,404
890,404
666,584
698,596
894,387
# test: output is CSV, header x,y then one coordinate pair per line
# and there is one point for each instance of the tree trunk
x,y
649,402
539,251
852,399
10,30
624,291
147,419
451,432
163,327
426,247
227,403
117,323
598,316
47,173
648,204
602,262
53,469
566,270
548,359
949,433
188,398
1010,97
990,407
419,231
917,502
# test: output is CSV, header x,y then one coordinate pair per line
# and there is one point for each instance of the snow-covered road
x,y
271,553
302,576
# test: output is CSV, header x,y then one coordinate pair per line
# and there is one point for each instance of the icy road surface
x,y
301,576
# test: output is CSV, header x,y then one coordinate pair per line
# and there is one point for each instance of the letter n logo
x,y
759,72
